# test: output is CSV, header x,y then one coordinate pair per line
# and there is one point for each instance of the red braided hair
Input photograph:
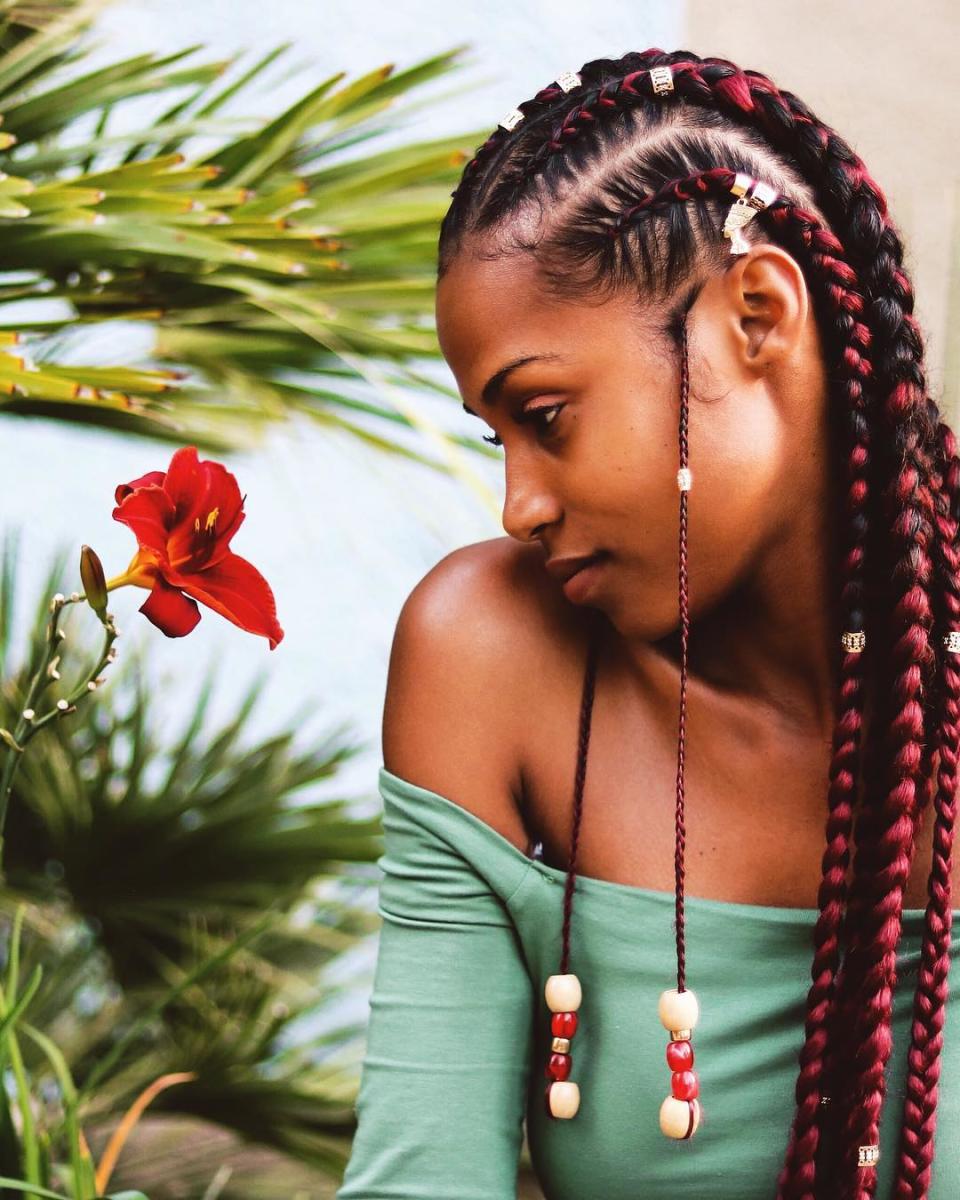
x,y
652,185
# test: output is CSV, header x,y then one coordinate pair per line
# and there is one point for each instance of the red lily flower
x,y
183,519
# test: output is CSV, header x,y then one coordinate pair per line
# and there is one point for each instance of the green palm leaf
x,y
127,226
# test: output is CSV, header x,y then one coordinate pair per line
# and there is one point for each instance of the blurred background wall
x,y
883,74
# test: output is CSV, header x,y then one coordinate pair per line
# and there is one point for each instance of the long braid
x,y
884,849
798,1176
920,1103
845,191
888,844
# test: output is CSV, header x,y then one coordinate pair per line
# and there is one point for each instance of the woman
x,y
662,277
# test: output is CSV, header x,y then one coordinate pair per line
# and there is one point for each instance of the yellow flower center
x,y
211,522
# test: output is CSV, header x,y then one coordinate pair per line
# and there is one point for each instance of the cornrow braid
x,y
529,109
485,154
640,144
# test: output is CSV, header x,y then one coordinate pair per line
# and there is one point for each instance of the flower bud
x,y
94,581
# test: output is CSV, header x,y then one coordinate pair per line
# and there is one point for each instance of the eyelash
x,y
529,416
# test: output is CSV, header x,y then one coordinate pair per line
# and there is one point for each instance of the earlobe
x,y
771,299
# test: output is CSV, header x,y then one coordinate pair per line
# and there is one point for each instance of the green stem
x,y
31,1151
27,728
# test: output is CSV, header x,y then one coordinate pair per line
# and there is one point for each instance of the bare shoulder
x,y
471,657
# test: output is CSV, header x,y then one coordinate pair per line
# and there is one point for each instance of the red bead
x,y
686,1085
559,1066
563,1024
679,1056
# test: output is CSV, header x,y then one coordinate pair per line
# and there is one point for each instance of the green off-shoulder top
x,y
459,1030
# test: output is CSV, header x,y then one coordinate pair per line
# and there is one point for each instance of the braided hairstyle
x,y
611,186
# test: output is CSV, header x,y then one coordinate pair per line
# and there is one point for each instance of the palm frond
x,y
127,226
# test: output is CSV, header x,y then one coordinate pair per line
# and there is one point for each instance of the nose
x,y
529,504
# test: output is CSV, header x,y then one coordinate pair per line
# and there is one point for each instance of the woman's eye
x,y
536,415
533,415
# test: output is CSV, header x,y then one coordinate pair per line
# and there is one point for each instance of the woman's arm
x,y
443,1087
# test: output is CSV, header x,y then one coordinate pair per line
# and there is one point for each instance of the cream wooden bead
x,y
675,1117
564,1098
678,1010
563,993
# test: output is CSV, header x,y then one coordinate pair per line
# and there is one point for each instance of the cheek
x,y
738,487
637,485
634,460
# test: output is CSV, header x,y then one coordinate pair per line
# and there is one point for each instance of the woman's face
x,y
589,427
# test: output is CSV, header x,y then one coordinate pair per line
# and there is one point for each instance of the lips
x,y
563,569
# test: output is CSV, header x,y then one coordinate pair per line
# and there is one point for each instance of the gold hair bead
x,y
869,1155
569,80
853,643
752,191
662,80
560,1045
684,479
511,120
752,196
952,641
741,183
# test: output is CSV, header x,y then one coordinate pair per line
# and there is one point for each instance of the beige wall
x,y
884,75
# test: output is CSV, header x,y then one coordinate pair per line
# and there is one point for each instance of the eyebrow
x,y
494,385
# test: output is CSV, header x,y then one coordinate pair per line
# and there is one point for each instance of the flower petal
x,y
234,588
209,510
173,613
149,513
124,489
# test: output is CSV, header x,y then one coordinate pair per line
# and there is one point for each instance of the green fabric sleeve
x,y
442,1092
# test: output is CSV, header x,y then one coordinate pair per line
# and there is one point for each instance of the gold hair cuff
x,y
662,80
952,641
853,643
869,1156
511,120
568,80
752,195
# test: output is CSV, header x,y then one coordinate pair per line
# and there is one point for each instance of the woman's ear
x,y
768,305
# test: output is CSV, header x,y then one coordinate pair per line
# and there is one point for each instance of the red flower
x,y
183,519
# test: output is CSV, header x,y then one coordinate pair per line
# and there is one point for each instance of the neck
x,y
774,640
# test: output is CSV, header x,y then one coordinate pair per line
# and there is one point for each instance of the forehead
x,y
489,312
478,300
